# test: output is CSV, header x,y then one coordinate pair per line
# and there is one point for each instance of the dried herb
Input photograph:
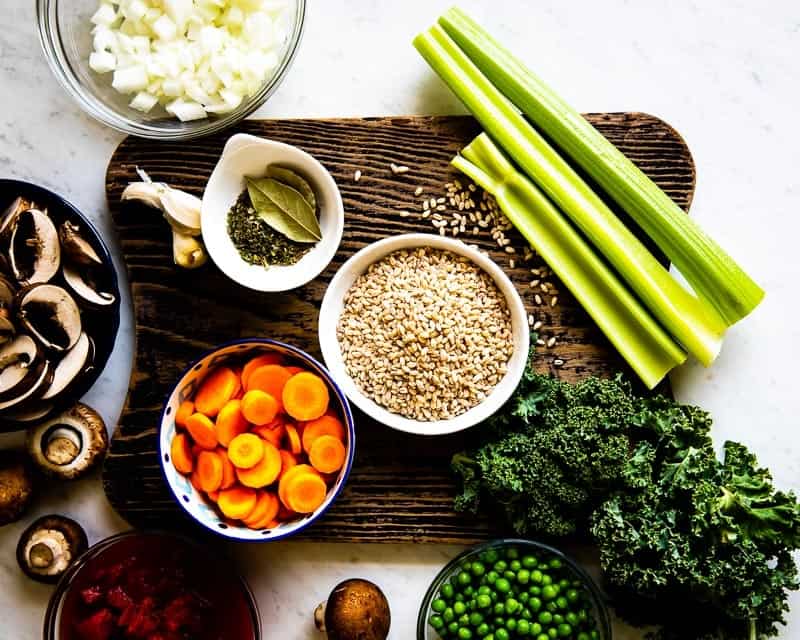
x,y
284,209
256,241
294,180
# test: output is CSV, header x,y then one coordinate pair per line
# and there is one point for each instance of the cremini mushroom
x,y
8,216
68,445
16,486
355,610
48,547
75,362
84,286
180,209
75,247
21,362
51,316
34,251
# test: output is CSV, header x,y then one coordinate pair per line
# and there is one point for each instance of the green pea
x,y
464,578
482,630
484,590
512,553
545,617
447,591
583,615
546,579
562,602
526,614
529,562
483,601
468,591
535,591
515,565
523,576
564,630
492,576
475,618
572,595
502,585
572,618
501,634
436,621
500,566
459,597
551,606
557,618
536,628
464,634
511,624
583,636
549,592
499,621
535,604
552,633
448,615
509,575
477,569
463,620
491,556
594,635
523,627
564,583
523,597
537,577
542,636
499,609
438,605
512,606
459,608
555,563
452,627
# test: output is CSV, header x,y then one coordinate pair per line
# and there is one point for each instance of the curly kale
x,y
699,546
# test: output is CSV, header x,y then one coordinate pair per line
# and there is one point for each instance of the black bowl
x,y
101,325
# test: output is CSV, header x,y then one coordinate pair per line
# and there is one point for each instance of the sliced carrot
x,y
228,470
270,378
305,396
265,472
246,450
265,511
194,480
213,495
209,471
202,430
218,387
287,477
295,370
259,361
197,450
185,409
259,407
295,445
237,503
323,426
287,462
327,454
180,450
230,422
272,434
285,514
305,492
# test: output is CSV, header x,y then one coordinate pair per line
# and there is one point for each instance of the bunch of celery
x,y
725,293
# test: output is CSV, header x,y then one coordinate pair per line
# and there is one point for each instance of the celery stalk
x,y
648,349
692,322
712,273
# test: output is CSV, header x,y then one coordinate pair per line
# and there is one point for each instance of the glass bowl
x,y
594,598
221,586
65,34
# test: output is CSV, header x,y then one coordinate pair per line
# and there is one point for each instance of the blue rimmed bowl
x,y
192,501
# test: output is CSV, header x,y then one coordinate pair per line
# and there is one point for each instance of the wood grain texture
x,y
400,489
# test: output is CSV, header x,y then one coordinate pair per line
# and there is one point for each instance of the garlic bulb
x,y
180,209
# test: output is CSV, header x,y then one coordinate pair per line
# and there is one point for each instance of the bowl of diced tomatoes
x,y
256,440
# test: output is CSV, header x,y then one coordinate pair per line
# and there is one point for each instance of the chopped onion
x,y
194,57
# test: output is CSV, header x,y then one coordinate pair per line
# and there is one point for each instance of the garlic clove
x,y
182,211
147,192
187,251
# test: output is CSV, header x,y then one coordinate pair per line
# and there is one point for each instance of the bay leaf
x,y
284,209
294,180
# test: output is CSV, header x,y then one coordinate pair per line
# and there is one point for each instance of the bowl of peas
x,y
513,589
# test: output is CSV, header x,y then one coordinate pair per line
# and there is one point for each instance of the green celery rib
x,y
712,273
692,322
647,348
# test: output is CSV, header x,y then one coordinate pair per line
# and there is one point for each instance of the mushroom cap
x,y
68,445
357,610
49,546
16,486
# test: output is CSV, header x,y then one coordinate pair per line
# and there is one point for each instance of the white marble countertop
x,y
725,74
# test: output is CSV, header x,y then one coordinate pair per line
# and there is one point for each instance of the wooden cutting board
x,y
400,489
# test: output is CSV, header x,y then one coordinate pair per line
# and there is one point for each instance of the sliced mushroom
x,y
21,362
16,486
41,383
70,444
48,547
75,247
71,366
355,610
8,217
85,289
50,314
35,252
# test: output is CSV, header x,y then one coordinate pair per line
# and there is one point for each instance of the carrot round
x,y
246,450
194,480
180,450
237,502
185,409
231,422
305,492
294,440
326,425
264,512
264,472
295,370
202,430
259,361
259,407
327,454
272,434
209,471
271,379
228,470
288,476
287,462
213,495
285,513
305,396
218,387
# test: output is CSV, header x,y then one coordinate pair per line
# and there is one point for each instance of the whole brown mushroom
x,y
49,546
355,610
16,486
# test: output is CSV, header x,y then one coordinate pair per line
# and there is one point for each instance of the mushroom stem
x,y
319,616
40,556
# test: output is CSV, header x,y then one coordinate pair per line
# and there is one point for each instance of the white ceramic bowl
x,y
331,310
192,502
246,155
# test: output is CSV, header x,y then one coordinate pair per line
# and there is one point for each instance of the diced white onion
x,y
186,111
144,101
130,79
105,15
102,61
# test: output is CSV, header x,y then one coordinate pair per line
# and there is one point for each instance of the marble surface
x,y
723,72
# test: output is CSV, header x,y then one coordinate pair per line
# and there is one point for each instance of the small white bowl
x,y
333,303
246,155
